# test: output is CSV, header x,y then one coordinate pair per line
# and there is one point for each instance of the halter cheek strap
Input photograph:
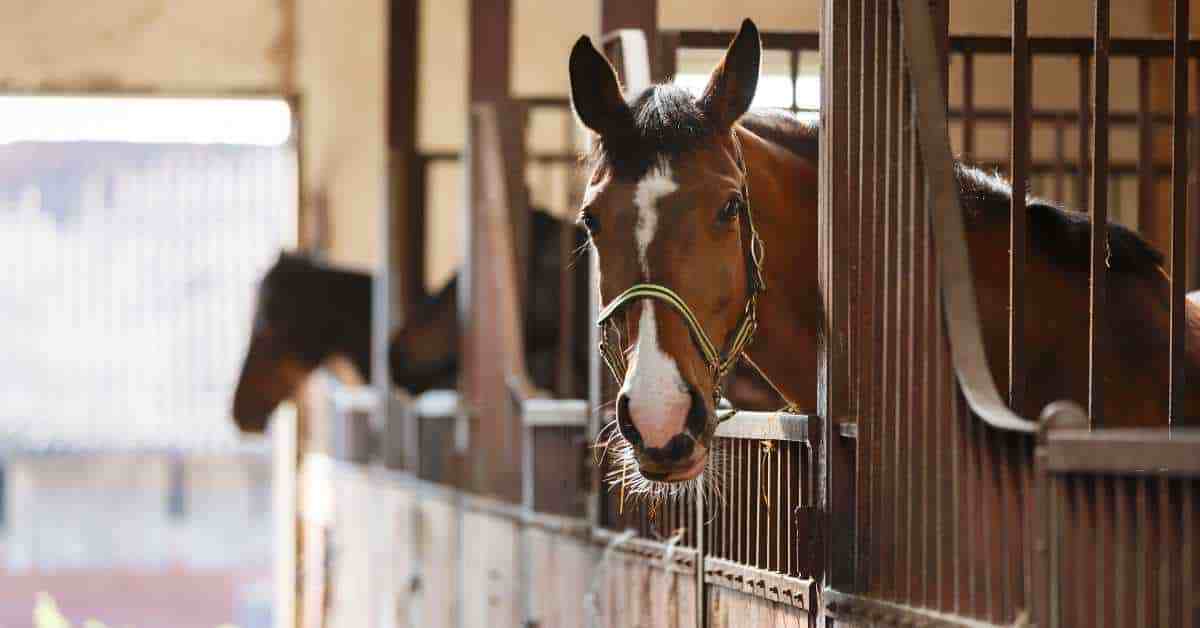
x,y
719,362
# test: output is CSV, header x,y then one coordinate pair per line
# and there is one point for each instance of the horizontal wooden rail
x,y
767,426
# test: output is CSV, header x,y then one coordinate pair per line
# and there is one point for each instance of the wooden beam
x,y
639,14
490,70
405,271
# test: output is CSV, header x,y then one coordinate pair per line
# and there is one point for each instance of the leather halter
x,y
719,362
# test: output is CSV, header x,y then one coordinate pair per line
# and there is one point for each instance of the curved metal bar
x,y
958,291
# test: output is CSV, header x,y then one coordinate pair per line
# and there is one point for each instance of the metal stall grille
x,y
1122,513
927,501
761,523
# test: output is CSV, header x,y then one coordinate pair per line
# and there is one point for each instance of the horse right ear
x,y
595,92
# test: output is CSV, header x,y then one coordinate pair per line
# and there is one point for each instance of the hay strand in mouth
x,y
624,474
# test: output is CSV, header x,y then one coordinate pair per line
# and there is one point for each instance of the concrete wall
x,y
341,73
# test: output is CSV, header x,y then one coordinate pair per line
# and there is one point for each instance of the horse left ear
x,y
731,87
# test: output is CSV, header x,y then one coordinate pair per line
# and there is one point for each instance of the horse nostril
x,y
625,423
679,447
697,418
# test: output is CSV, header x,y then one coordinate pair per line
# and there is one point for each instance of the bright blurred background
x,y
132,234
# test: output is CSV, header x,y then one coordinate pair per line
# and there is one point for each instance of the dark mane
x,y
784,128
667,123
1065,235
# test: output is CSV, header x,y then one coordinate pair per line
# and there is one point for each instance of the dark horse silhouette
x,y
308,312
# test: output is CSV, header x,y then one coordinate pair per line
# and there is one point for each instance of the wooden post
x,y
639,14
284,441
405,272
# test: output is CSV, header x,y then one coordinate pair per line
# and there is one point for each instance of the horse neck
x,y
783,197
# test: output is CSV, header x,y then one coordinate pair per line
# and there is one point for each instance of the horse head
x,y
667,212
305,313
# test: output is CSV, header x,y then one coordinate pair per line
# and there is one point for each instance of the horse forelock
x,y
667,123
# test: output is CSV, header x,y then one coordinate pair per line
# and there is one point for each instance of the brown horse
x,y
667,206
309,312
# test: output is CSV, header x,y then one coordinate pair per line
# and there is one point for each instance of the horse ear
x,y
731,87
595,92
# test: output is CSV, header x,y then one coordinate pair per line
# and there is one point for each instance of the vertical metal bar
x,y
902,412
832,396
968,106
1169,556
1193,227
1190,551
748,493
884,281
868,219
1179,206
1107,549
777,500
914,446
789,512
1085,129
1147,207
1147,569
1098,300
794,74
1019,164
1060,159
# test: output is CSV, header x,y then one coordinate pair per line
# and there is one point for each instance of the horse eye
x,y
589,222
730,210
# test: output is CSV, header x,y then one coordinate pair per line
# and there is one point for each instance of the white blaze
x,y
658,398
656,184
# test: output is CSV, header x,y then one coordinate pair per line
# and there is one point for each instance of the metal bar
x,y
794,75
1190,550
1084,126
1169,556
1106,550
1124,451
765,426
870,471
1145,565
1019,160
961,308
968,106
1147,207
959,44
1070,46
1003,115
1193,227
771,40
1179,207
1098,302
836,455
1060,159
